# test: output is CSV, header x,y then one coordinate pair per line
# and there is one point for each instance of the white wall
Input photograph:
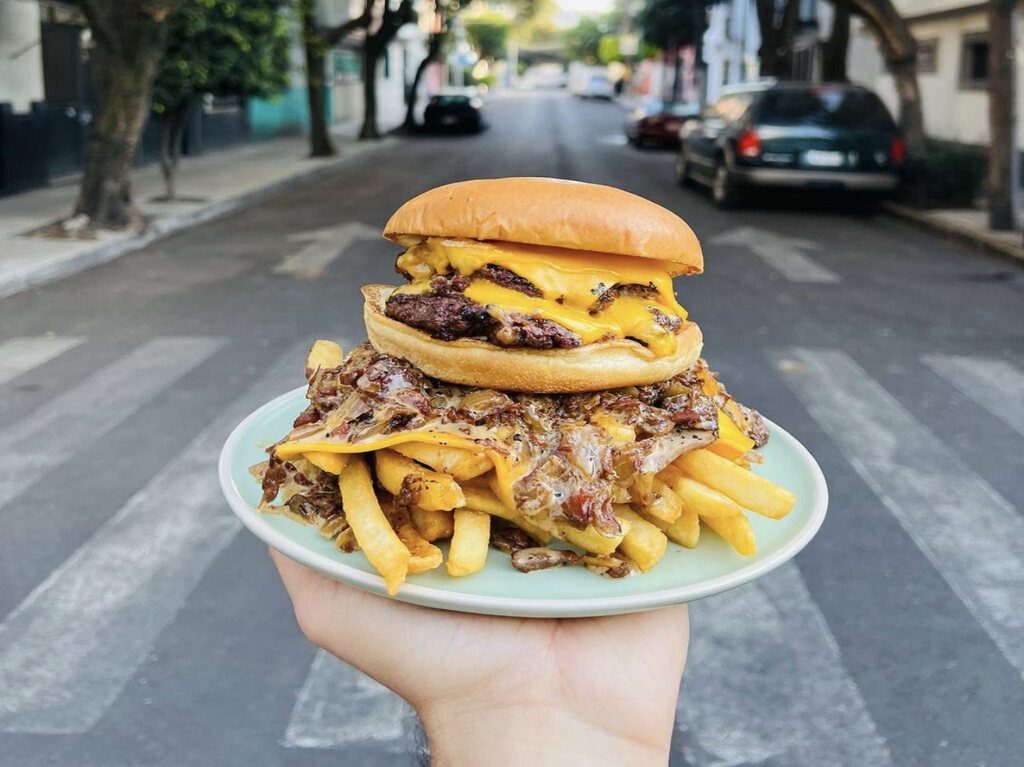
x,y
21,55
950,111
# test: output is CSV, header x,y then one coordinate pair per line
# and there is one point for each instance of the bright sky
x,y
585,6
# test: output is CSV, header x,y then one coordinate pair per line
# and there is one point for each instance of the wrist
x,y
468,733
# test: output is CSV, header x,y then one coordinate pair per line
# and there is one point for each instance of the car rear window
x,y
447,101
834,108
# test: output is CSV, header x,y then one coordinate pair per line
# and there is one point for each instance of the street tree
x,y
670,25
583,41
220,49
899,50
488,34
776,22
834,51
128,41
374,45
1001,101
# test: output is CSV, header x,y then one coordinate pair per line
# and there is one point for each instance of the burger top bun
x,y
549,211
471,362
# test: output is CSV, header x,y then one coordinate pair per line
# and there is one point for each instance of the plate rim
x,y
561,607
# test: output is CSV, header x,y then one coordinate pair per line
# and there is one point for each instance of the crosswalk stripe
x,y
70,422
994,384
69,648
338,706
969,532
782,253
765,683
22,354
322,247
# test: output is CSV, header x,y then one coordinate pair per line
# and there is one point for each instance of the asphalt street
x,y
140,626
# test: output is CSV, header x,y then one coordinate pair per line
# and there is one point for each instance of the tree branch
x,y
335,35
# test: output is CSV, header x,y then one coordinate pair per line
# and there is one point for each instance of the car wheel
x,y
683,169
724,190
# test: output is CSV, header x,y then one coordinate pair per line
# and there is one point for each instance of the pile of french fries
x,y
452,493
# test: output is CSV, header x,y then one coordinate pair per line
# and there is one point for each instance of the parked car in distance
x,y
831,136
454,110
597,87
658,122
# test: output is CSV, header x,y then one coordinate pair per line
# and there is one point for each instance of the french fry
x,y
736,530
749,490
372,530
332,463
324,355
467,553
431,524
461,464
656,498
592,541
430,489
424,555
685,530
480,498
645,544
698,497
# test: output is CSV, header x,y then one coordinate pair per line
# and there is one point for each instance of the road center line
x,y
971,534
69,648
339,706
20,355
994,384
84,413
765,683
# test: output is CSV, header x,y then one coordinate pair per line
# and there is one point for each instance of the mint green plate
x,y
682,575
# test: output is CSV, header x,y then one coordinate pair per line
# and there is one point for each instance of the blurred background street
x,y
141,627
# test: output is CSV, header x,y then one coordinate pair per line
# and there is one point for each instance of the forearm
x,y
491,735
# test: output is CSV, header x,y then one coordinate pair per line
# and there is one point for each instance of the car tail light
x,y
749,144
898,152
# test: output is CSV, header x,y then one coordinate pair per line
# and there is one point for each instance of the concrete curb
x,y
163,227
961,233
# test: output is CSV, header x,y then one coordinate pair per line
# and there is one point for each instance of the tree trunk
x,y
320,143
1001,97
776,51
677,74
899,49
370,56
833,65
433,53
125,60
172,131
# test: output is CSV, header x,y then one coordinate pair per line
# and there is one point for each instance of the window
x,y
974,61
828,106
927,56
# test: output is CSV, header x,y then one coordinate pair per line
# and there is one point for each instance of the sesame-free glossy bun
x,y
553,212
470,362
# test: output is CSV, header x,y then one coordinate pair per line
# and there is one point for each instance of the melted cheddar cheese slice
x,y
570,283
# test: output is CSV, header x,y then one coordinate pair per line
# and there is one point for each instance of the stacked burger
x,y
535,386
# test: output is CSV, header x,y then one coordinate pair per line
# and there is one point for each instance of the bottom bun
x,y
470,362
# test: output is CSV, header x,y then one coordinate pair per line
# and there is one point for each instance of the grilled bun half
x,y
550,212
471,362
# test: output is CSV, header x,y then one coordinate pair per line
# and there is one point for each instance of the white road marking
x,y
86,411
69,648
339,706
765,683
994,384
20,355
782,253
322,247
970,533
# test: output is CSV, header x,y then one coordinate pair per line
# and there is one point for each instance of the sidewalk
x,y
209,186
965,224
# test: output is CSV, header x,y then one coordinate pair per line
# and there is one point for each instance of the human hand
x,y
504,691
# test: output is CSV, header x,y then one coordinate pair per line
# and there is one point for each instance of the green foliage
x,y
583,41
223,47
669,24
608,49
488,34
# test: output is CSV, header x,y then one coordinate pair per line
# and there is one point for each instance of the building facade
x,y
952,67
